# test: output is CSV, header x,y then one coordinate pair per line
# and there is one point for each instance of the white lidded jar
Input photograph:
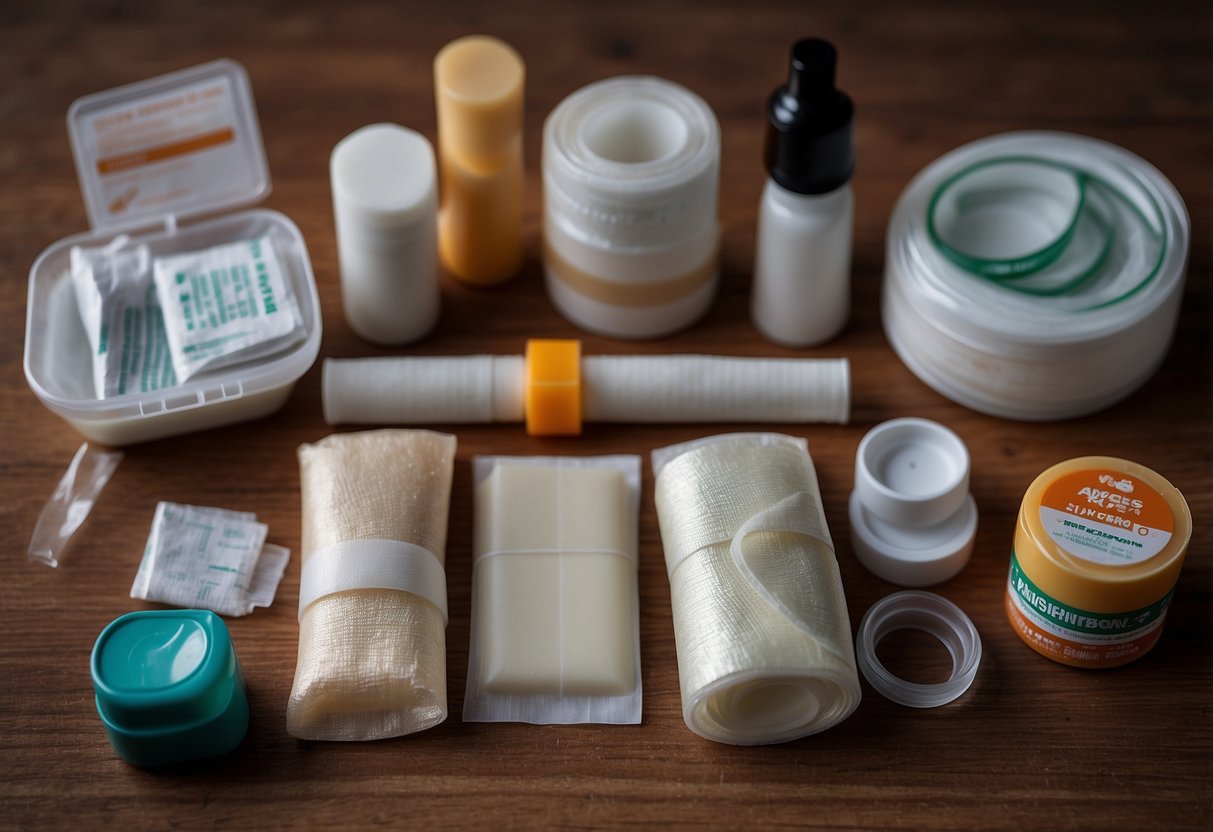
x,y
631,170
802,267
1035,275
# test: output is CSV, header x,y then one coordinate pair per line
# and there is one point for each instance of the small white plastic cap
x,y
913,521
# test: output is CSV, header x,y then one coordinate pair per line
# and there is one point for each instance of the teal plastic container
x,y
169,687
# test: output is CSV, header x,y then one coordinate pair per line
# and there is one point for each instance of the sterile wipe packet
x,y
226,304
555,606
209,558
117,301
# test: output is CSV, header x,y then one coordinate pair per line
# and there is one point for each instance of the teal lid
x,y
169,687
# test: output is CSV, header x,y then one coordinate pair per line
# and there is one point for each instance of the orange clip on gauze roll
x,y
478,84
553,387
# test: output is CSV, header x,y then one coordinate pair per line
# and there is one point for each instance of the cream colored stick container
x,y
631,169
478,86
555,635
385,203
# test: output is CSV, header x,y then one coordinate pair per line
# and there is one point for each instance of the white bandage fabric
x,y
760,619
373,564
372,661
712,388
616,388
439,390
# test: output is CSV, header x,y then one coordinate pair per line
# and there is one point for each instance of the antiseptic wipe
x,y
122,318
209,558
226,304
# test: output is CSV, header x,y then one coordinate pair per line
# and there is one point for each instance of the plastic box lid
x,y
177,145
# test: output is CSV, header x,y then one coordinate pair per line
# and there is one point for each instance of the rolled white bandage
x,y
631,388
760,620
711,388
444,390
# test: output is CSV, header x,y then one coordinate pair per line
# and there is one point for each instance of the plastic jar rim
x,y
930,613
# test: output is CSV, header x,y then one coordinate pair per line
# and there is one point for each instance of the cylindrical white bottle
x,y
802,268
385,204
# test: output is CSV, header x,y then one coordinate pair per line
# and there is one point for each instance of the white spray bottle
x,y
802,269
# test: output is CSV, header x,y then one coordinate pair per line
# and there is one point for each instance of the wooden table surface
x,y
1032,745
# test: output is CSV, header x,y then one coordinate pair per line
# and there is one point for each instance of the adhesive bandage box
x,y
164,164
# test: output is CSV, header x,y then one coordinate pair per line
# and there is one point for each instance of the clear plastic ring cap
x,y
928,613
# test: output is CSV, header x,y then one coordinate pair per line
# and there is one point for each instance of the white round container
x,y
631,169
385,203
1035,276
913,521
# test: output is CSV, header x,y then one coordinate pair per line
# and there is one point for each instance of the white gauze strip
x,y
442,390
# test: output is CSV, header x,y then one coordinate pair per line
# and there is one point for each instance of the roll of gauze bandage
x,y
710,388
760,618
445,390
632,388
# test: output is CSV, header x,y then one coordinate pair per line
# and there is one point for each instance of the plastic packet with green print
x,y
225,305
209,558
122,318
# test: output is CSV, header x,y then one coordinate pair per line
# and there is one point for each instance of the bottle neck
x,y
830,200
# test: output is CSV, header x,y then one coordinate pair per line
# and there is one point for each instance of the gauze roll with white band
x,y
614,388
760,619
372,599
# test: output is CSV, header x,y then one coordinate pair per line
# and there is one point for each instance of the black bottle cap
x,y
810,148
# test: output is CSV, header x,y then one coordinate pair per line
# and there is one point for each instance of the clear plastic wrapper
x,y
71,502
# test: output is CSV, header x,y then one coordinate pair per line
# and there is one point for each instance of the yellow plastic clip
x,y
553,387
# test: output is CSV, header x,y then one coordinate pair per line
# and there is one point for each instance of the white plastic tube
x,y
385,203
633,388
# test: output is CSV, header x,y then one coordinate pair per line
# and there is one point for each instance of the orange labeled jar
x,y
1098,548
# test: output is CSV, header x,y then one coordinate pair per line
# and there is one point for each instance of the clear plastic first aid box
x,y
161,161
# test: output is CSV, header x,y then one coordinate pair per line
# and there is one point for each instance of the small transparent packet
x,y
71,502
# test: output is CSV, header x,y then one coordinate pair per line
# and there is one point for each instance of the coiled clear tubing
x,y
760,619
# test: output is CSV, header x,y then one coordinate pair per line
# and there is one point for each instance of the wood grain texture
x,y
1033,745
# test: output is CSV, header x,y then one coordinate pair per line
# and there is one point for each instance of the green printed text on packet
x,y
226,304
